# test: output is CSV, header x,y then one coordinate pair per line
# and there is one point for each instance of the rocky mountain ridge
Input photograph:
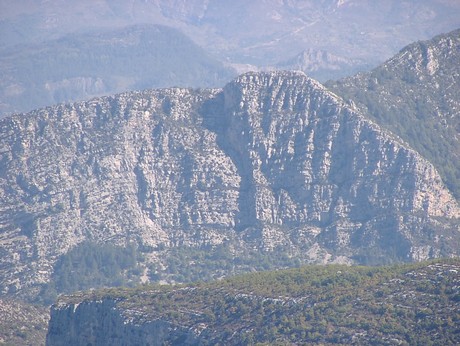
x,y
321,65
274,161
416,94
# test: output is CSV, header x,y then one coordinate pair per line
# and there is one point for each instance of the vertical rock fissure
x,y
218,118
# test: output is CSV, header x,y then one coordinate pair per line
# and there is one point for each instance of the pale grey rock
x,y
135,168
274,160
311,159
22,324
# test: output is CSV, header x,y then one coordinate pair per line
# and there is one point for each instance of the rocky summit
x,y
272,161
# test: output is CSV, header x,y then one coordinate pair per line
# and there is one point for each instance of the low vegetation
x,y
416,304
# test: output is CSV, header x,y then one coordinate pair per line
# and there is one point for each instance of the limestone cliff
x,y
314,164
274,160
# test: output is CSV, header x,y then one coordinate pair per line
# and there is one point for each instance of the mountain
x,y
322,64
84,65
271,171
320,305
58,50
416,95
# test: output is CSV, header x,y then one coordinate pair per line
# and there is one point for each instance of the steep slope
x,y
416,94
134,168
325,305
273,163
311,164
22,323
94,63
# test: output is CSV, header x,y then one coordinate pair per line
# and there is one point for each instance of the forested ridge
x,y
416,304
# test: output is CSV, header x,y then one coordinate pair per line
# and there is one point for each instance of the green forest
x,y
412,304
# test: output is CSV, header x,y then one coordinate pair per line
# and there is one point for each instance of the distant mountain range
x,y
321,64
81,66
55,51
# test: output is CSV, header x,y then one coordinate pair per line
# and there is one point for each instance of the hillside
x,y
328,305
272,171
322,65
416,95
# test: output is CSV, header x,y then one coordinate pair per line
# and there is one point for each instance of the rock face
x,y
309,162
102,323
272,160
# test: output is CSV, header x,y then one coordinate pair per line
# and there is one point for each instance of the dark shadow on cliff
x,y
217,118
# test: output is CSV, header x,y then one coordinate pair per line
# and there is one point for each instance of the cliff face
x,y
311,163
272,160
103,323
134,168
